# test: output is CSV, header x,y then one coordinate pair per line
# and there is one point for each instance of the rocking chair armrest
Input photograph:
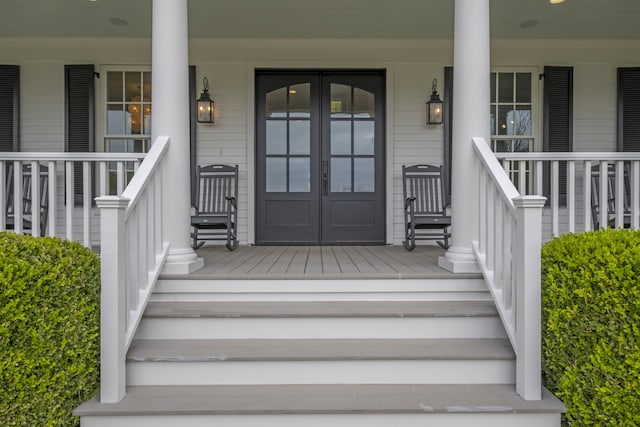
x,y
233,201
409,201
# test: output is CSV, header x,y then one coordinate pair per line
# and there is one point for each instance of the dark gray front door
x,y
320,158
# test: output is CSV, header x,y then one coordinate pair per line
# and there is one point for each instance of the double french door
x,y
320,157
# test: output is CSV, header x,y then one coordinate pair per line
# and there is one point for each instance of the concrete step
x,y
495,405
320,319
321,290
375,361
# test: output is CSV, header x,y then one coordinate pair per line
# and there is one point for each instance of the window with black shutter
x,y
629,109
558,121
9,107
79,117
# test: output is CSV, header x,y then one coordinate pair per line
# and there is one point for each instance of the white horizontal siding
x,y
229,65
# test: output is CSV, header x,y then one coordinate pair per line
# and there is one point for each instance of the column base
x,y
182,261
459,260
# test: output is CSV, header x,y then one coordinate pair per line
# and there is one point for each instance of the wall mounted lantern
x,y
205,104
434,106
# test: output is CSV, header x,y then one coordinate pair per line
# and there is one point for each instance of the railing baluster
x,y
35,198
17,196
587,195
87,185
52,194
555,194
604,194
571,195
3,196
635,194
619,195
70,198
120,178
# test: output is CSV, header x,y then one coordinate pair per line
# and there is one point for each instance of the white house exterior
x,y
141,52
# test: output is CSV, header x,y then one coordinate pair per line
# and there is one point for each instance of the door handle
x,y
325,178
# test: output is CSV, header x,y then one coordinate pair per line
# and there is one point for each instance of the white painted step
x,y
467,289
324,405
317,320
186,362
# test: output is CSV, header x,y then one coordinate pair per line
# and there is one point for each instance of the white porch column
x,y
471,100
170,82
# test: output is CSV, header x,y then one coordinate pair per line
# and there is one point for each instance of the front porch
x,y
322,262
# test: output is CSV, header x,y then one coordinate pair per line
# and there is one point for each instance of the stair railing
x,y
132,253
508,252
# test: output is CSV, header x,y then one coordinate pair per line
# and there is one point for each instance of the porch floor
x,y
322,262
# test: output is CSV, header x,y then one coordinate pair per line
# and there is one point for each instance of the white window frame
x,y
535,143
102,107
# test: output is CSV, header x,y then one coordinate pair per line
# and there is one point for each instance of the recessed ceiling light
x,y
556,1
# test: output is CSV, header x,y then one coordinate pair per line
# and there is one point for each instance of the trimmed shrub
x,y
591,326
49,329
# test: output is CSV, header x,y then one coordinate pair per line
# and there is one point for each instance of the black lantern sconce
x,y
434,106
204,104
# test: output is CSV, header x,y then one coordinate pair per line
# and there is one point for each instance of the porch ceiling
x,y
413,19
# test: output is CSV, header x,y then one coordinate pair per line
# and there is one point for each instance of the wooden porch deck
x,y
322,262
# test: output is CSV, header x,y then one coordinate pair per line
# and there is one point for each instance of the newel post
x,y
528,296
113,258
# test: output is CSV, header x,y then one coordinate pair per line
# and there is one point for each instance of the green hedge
x,y
49,329
591,326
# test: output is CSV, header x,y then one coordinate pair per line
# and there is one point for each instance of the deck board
x,y
322,262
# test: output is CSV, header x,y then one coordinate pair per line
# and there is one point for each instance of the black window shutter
x,y
9,107
448,129
192,130
629,109
79,117
558,121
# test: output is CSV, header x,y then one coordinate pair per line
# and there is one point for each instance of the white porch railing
x,y
508,252
528,170
133,252
102,174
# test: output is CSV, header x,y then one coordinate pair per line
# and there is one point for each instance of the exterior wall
x,y
229,65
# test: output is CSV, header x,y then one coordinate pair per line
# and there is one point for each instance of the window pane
x,y
147,119
137,146
146,86
522,119
276,104
276,137
502,146
363,103
115,119
521,146
116,146
363,137
493,87
340,175
364,175
276,175
505,87
132,86
505,119
492,120
133,117
299,175
523,87
300,100
340,137
114,86
340,101
299,137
